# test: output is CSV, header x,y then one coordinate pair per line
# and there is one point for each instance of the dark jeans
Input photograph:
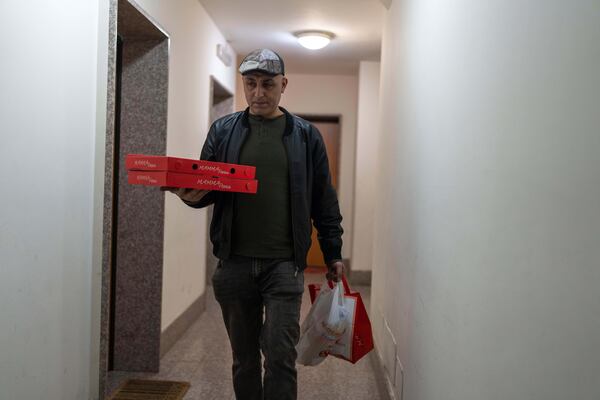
x,y
244,287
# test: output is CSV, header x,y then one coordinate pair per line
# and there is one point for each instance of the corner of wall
x,y
98,196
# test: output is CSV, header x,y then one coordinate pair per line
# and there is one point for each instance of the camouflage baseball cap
x,y
262,60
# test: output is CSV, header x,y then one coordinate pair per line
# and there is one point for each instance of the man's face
x,y
263,93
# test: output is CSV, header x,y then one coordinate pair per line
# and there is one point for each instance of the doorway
x,y
221,104
329,126
133,215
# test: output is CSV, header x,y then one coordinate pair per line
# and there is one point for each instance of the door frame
x,y
103,188
326,118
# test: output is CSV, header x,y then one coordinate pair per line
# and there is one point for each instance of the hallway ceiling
x,y
357,24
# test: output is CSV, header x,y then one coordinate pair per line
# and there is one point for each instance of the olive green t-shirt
x,y
262,225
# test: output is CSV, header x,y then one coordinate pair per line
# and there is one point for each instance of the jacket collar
x,y
289,120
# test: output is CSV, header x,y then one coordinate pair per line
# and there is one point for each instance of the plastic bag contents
x,y
325,324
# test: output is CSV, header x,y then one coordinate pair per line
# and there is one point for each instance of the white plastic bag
x,y
325,324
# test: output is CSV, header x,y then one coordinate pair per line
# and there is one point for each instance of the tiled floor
x,y
203,358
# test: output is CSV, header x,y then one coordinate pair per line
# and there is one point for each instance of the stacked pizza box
x,y
167,171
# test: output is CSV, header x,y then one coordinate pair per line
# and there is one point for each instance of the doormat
x,y
141,389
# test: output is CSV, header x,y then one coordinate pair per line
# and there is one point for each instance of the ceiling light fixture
x,y
314,40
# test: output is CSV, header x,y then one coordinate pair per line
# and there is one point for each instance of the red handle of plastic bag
x,y
344,282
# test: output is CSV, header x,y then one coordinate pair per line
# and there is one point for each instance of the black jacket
x,y
311,193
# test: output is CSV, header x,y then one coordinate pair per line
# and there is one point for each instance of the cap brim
x,y
262,71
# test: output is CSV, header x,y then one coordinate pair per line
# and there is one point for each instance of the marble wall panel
x,y
140,230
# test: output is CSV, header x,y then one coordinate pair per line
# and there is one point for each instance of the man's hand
x,y
335,270
190,195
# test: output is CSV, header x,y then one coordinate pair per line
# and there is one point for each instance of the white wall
x,y
487,242
192,60
367,147
48,101
327,95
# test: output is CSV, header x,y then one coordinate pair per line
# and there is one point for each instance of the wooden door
x,y
330,130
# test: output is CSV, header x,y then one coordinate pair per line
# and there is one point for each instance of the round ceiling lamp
x,y
314,40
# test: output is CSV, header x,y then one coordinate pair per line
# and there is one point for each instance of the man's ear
x,y
284,83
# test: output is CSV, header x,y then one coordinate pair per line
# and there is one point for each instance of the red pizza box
x,y
190,181
141,162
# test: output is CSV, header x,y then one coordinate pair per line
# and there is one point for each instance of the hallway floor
x,y
203,358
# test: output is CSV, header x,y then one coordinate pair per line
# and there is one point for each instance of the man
x,y
262,240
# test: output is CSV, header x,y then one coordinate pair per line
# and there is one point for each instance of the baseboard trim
x,y
384,386
175,331
362,278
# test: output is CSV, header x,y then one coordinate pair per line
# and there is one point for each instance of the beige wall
x,y
327,95
367,147
487,235
192,61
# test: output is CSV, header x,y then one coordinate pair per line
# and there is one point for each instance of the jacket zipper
x,y
286,145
